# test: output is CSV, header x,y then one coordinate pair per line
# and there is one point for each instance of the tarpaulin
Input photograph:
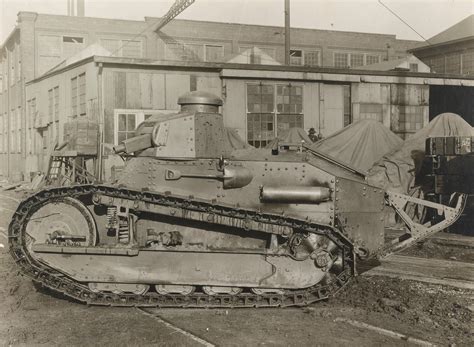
x,y
294,135
396,170
234,141
360,144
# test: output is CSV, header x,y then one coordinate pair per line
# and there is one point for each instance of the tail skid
x,y
416,231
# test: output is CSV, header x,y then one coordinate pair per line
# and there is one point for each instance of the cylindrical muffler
x,y
295,195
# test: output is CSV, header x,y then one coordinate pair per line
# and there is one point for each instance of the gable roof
x,y
402,63
461,30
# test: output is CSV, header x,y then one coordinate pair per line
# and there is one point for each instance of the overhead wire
x,y
403,21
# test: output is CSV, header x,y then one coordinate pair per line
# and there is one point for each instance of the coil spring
x,y
111,217
123,234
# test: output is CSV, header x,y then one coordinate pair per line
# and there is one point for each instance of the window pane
x,y
214,53
132,49
296,57
372,59
122,122
131,122
340,60
371,111
311,58
357,59
121,136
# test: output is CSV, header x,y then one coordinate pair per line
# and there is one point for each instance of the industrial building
x,y
451,51
260,102
48,77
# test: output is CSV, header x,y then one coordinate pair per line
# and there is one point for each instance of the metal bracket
x,y
417,231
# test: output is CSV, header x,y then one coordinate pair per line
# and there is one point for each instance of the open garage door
x,y
459,100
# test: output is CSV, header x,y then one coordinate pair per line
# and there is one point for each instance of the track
x,y
187,208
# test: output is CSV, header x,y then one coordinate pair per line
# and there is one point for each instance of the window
x,y
11,62
5,132
272,110
410,119
340,60
453,64
413,67
357,59
78,95
53,109
72,39
354,59
289,108
311,58
260,114
1,134
126,121
82,94
123,48
12,132
296,57
74,97
371,111
193,52
18,130
18,63
303,57
347,105
214,53
126,126
56,113
72,45
184,51
372,59
468,62
438,64
31,147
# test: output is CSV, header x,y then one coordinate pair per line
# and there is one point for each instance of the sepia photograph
x,y
236,173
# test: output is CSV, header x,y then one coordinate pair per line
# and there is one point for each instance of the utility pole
x,y
287,32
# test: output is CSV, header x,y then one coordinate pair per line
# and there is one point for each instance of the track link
x,y
59,283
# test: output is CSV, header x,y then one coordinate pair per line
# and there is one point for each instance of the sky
x,y
427,17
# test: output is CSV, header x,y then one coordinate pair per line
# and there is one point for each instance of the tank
x,y
192,223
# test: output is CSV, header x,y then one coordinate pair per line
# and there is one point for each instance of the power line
x,y
401,19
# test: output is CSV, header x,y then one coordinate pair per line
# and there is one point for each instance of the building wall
x,y
41,41
129,91
47,115
454,58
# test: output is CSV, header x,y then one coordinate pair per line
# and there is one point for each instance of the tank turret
x,y
196,131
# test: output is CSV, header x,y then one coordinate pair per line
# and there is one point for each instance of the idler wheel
x,y
63,222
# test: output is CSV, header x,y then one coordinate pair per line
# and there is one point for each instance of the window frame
x,y
349,58
140,116
76,94
275,113
121,42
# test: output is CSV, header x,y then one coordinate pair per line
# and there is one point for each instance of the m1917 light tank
x,y
191,223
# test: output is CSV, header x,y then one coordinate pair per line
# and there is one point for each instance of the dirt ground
x,y
434,249
437,314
